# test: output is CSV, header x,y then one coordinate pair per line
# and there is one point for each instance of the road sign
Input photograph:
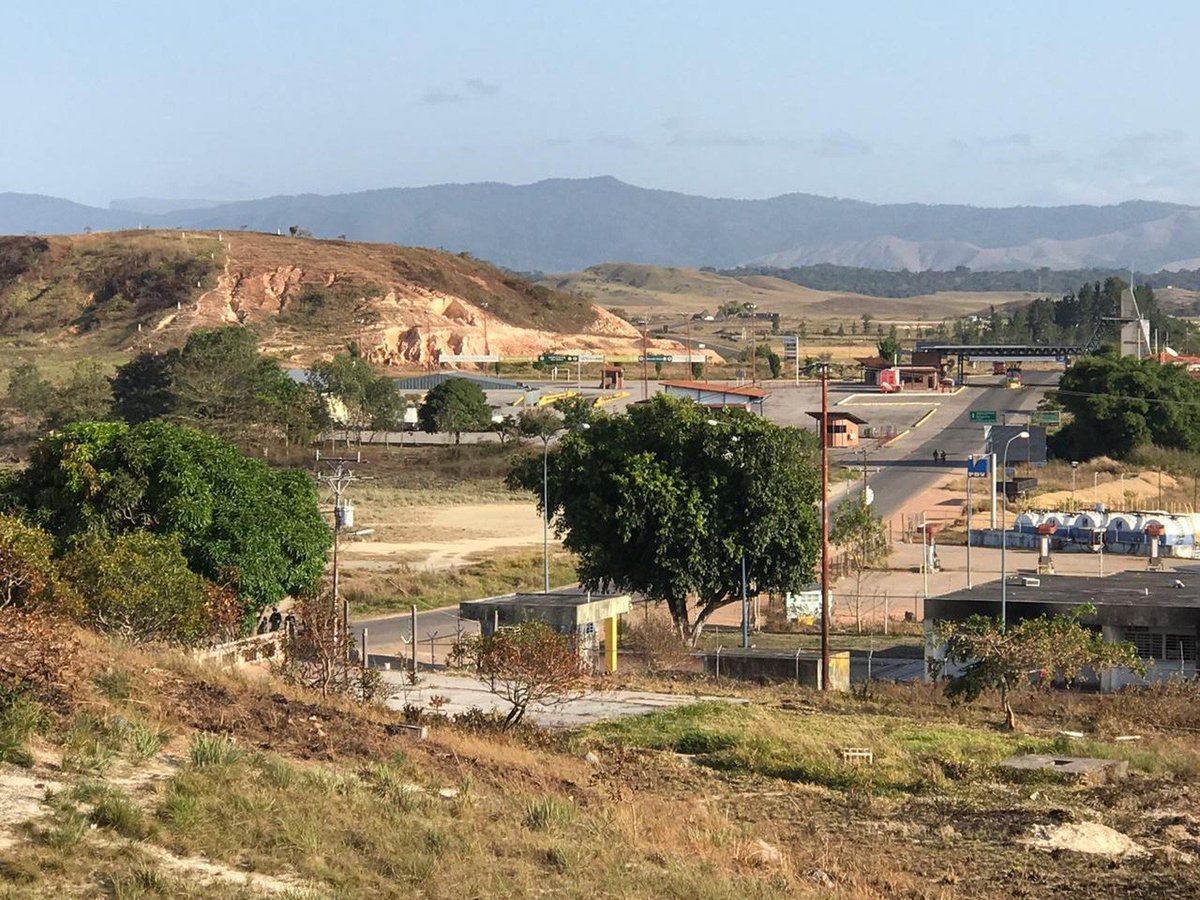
x,y
554,358
1046,417
468,357
657,358
977,467
983,415
590,358
791,346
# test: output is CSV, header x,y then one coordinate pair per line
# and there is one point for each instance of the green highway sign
x,y
1047,417
657,358
551,358
983,415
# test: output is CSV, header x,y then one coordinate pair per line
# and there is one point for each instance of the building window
x,y
1162,645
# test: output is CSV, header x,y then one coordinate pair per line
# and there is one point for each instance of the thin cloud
x,y
472,89
439,97
481,88
682,133
841,145
619,141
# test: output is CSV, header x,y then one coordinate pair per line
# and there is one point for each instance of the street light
x,y
1074,469
1024,435
583,426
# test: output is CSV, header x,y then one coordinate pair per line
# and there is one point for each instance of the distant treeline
x,y
884,283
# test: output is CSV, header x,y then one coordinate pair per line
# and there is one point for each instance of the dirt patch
x,y
210,873
1083,837
21,796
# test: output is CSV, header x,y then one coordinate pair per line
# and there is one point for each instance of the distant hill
x,y
568,224
304,298
158,205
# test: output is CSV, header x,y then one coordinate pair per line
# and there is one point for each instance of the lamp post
x,y
1074,469
1004,532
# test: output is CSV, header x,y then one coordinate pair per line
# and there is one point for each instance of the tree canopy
x,y
239,523
454,406
661,502
368,400
1119,404
981,655
220,382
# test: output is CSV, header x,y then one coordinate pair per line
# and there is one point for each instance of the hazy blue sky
x,y
989,103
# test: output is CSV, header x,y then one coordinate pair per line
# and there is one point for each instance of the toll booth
x,y
612,378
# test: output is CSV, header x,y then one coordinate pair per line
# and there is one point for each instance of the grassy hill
x,y
662,290
303,297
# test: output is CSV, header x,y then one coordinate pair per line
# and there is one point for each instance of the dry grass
x,y
502,573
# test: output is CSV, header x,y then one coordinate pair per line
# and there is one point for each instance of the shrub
x,y
212,750
139,586
546,813
28,573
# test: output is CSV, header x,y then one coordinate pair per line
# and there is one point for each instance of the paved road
x,y
907,468
391,635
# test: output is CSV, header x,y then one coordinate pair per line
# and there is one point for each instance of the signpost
x,y
983,415
1046,417
791,352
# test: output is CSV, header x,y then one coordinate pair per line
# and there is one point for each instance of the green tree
x,y
454,406
539,422
28,570
861,535
1117,404
981,656
661,502
575,410
138,586
220,382
889,347
697,370
29,393
85,396
367,399
239,522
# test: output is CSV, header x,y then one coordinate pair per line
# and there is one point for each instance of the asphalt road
x,y
907,469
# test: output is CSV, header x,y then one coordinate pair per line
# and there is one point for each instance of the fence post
x,y
366,659
413,615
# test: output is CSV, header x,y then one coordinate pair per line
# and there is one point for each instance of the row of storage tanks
x,y
1122,532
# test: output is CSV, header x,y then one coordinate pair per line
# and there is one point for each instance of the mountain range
x,y
560,225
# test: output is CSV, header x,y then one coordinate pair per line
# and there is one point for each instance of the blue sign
x,y
977,467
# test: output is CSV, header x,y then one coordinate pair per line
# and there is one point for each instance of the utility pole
x,y
825,611
338,478
645,372
970,511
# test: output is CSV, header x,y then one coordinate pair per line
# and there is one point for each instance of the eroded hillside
x,y
304,298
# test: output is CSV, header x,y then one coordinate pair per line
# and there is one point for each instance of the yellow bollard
x,y
610,643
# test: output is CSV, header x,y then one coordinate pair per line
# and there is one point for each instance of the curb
x,y
921,421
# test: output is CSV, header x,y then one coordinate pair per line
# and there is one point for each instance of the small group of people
x,y
276,621
939,457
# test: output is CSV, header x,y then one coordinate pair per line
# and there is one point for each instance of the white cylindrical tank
x,y
344,516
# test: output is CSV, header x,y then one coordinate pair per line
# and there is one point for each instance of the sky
x,y
1001,103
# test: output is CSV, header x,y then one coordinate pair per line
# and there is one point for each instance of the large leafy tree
x,y
1119,404
367,399
454,406
980,655
665,501
239,522
217,381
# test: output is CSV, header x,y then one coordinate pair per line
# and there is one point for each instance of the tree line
x,y
905,283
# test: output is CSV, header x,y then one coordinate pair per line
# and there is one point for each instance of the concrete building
x,y
1159,612
842,428
715,395
590,618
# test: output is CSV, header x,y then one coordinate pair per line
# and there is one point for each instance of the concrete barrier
x,y
797,666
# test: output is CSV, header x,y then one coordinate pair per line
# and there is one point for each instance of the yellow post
x,y
610,643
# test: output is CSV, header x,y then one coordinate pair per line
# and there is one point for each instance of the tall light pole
x,y
1004,532
546,513
1074,469
825,612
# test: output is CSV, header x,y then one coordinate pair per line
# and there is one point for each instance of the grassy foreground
x,y
147,775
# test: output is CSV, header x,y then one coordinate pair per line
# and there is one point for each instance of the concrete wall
x,y
781,666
